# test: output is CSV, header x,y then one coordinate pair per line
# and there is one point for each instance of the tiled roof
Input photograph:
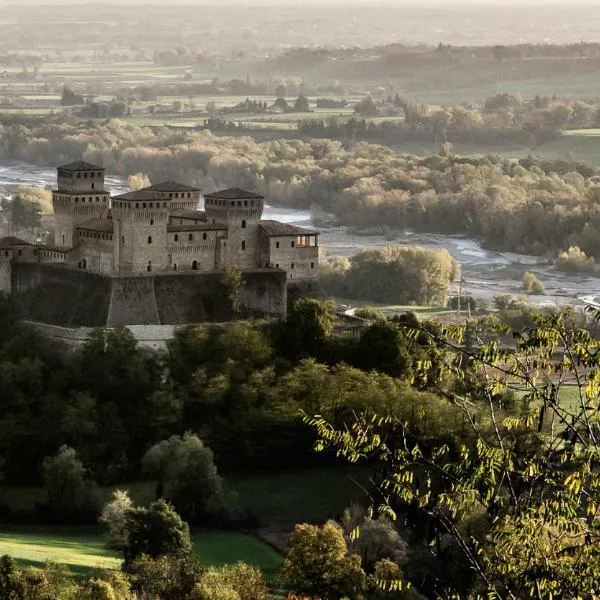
x,y
144,194
171,186
234,194
278,228
81,165
199,215
104,225
9,241
198,227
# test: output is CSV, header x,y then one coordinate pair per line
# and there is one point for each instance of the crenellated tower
x,y
140,232
240,211
80,195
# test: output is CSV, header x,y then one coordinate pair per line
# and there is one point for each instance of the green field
x,y
82,549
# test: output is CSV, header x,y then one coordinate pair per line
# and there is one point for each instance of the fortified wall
x,y
57,295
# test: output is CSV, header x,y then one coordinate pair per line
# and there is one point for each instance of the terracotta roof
x,y
198,215
81,165
234,194
199,227
144,194
9,241
104,225
278,228
171,186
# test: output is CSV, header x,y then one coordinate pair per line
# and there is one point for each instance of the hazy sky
x,y
302,2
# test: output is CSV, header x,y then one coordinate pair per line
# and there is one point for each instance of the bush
x,y
532,285
231,582
575,260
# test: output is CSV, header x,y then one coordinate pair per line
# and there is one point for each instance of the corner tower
x,y
80,195
240,211
139,232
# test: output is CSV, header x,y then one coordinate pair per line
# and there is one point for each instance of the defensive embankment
x,y
57,295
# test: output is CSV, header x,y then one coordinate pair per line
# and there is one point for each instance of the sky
x,y
302,2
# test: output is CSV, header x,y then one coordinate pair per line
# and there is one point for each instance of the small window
x,y
137,204
93,185
190,237
143,205
149,239
245,202
195,265
276,244
292,266
176,238
243,244
20,252
174,266
204,236
292,244
312,265
149,267
151,221
277,266
85,175
123,240
244,224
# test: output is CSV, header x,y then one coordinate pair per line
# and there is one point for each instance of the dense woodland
x,y
526,206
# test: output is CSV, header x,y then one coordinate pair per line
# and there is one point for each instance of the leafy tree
x,y
70,98
233,280
112,586
187,473
155,531
316,563
301,104
529,479
114,518
69,494
384,346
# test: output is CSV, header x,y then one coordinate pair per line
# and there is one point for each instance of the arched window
x,y
244,224
149,239
175,267
195,265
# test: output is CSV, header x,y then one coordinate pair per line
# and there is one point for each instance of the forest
x,y
527,205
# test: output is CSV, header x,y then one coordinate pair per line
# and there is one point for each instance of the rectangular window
x,y
190,237
276,244
292,266
312,265
292,244
203,236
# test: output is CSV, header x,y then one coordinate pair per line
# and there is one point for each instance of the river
x,y
485,273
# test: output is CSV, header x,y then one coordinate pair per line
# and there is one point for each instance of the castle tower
x,y
140,232
182,197
240,211
80,195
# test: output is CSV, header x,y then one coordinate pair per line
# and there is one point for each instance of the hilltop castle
x,y
158,232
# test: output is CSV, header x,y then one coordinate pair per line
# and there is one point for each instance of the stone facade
x,y
159,231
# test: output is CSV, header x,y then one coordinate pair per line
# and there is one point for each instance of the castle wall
x,y
57,295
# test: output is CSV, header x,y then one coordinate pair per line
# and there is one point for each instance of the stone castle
x,y
158,232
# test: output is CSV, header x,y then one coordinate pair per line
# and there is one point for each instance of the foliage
x,y
114,518
532,285
531,476
187,473
137,181
575,260
155,531
233,280
396,275
69,494
235,582
316,563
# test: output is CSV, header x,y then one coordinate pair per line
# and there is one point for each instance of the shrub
x,y
231,582
532,285
575,260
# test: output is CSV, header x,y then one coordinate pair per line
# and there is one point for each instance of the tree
x,y
187,474
155,531
138,181
316,563
233,281
24,212
70,98
114,518
301,104
69,494
516,507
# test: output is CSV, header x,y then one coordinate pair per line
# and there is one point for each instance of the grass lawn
x,y
83,550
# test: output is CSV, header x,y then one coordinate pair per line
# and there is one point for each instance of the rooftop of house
x,y
193,215
276,228
234,194
171,186
81,165
197,227
103,225
9,241
143,194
